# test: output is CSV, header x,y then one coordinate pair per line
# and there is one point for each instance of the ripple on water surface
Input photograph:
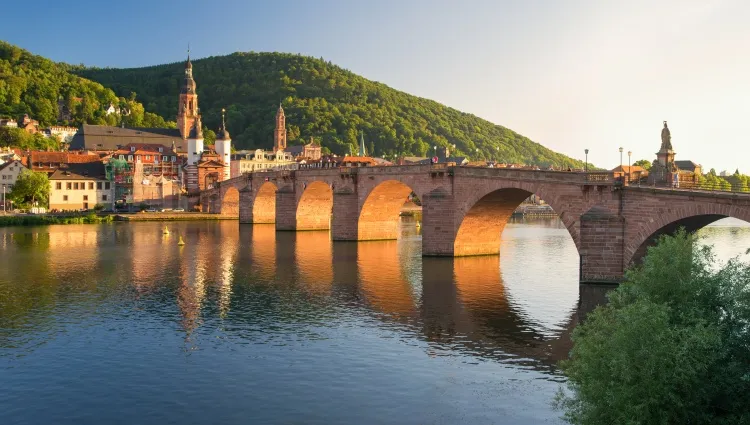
x,y
116,323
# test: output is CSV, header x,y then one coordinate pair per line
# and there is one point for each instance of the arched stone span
x,y
230,202
692,217
481,227
314,207
485,215
264,204
379,215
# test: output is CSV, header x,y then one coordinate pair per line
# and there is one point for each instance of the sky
x,y
571,75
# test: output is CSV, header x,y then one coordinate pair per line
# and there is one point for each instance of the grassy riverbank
x,y
38,220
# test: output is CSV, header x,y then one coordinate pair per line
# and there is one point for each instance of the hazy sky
x,y
568,74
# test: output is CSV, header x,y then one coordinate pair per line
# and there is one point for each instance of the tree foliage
x,y
324,101
671,347
643,163
30,187
19,138
31,84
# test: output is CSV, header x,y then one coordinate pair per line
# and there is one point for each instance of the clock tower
x,y
187,109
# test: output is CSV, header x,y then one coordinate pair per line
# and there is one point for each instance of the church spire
x,y
362,150
279,134
187,108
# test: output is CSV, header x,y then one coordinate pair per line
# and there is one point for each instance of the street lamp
x,y
586,164
621,170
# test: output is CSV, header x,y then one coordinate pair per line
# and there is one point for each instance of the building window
x,y
164,158
122,157
3,177
161,149
98,185
132,149
130,158
174,158
91,185
148,157
85,197
75,185
138,158
104,197
106,185
65,198
58,186
68,185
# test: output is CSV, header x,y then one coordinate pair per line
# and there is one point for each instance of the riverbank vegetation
x,y
670,347
39,220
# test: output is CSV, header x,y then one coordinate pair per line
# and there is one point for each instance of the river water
x,y
117,324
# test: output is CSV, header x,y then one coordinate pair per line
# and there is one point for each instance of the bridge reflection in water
x,y
251,276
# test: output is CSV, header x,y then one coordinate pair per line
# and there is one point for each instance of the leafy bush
x,y
671,347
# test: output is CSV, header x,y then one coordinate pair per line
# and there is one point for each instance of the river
x,y
117,324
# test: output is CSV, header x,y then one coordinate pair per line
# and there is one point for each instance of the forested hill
x,y
321,100
31,84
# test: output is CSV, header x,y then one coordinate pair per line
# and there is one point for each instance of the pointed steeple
x,y
362,151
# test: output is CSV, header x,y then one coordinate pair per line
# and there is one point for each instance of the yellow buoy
x,y
180,242
166,231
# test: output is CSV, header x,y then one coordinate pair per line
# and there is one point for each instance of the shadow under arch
x,y
379,215
482,225
314,207
264,204
230,203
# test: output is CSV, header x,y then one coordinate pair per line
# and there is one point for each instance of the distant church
x,y
204,168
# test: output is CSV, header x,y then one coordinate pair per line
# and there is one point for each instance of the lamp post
x,y
629,170
586,164
621,170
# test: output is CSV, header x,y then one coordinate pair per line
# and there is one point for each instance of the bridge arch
x,y
315,206
264,204
230,202
486,213
380,212
692,218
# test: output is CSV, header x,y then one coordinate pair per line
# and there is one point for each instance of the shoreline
x,y
94,218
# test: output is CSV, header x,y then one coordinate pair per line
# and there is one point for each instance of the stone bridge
x,y
466,208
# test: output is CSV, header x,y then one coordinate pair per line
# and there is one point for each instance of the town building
x,y
310,151
8,122
31,126
49,162
9,173
631,173
80,187
260,160
65,133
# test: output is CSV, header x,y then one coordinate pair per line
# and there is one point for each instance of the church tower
x,y
279,135
223,146
187,109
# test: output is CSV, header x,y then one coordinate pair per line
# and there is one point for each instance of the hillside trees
x,y
323,101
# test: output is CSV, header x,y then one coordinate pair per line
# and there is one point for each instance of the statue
x,y
666,138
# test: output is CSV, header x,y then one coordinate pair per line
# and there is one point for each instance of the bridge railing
x,y
705,186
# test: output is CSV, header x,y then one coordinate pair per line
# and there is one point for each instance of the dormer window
x,y
132,149
161,149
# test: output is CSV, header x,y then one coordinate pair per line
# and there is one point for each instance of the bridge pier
x,y
345,221
601,250
438,224
286,208
246,205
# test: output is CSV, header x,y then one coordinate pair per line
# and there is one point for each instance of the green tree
x,y
669,348
30,188
209,137
643,163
